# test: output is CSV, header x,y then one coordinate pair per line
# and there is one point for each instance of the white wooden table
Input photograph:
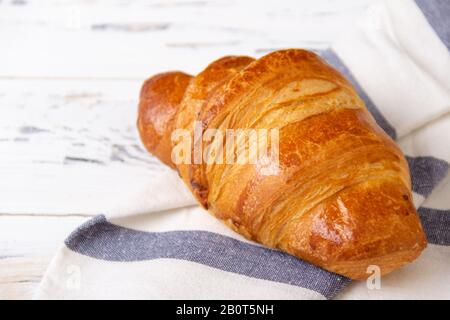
x,y
70,73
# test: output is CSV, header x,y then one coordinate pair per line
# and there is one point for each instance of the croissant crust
x,y
341,194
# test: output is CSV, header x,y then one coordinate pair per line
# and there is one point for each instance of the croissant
x,y
340,194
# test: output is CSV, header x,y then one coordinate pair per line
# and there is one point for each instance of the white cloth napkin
x,y
161,245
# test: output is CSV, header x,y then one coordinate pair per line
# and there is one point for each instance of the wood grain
x,y
70,147
19,277
133,39
27,243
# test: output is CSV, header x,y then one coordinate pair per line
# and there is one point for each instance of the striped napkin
x,y
160,245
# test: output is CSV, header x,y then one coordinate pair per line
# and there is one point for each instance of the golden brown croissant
x,y
340,196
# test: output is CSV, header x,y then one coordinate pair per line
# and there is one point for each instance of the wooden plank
x,y
71,146
128,39
27,243
19,277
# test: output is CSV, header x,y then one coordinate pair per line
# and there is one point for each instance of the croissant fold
x,y
340,195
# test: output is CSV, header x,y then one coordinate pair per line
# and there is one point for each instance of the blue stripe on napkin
x,y
436,224
426,173
103,240
437,12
